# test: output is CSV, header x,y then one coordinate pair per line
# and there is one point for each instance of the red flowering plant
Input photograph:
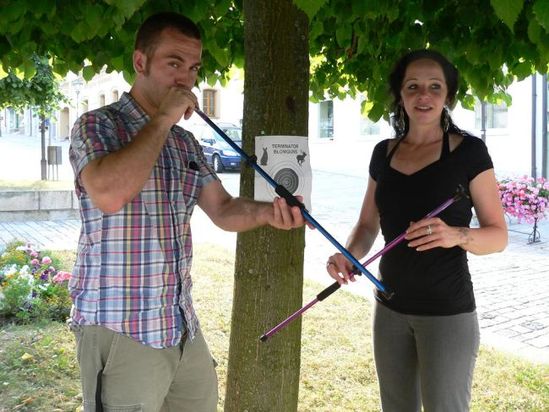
x,y
31,288
525,198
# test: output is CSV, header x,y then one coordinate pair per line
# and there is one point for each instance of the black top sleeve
x,y
378,159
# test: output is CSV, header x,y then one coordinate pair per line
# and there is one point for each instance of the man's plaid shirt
x,y
132,271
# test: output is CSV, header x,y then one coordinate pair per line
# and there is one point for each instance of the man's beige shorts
x,y
123,375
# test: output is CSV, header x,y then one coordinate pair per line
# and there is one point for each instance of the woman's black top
x,y
437,281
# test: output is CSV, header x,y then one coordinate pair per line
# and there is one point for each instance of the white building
x,y
338,131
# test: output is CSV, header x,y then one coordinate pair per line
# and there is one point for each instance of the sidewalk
x,y
20,157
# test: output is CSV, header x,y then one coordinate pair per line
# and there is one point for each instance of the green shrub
x,y
31,286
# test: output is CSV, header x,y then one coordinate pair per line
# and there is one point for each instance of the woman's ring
x,y
429,230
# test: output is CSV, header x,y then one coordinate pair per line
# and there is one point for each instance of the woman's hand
x,y
339,268
434,232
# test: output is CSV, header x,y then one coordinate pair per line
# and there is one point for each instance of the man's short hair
x,y
149,32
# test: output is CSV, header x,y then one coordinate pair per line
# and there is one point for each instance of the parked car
x,y
218,152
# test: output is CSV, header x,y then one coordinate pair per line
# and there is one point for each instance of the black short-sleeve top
x,y
434,282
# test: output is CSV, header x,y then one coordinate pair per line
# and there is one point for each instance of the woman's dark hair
x,y
451,76
149,32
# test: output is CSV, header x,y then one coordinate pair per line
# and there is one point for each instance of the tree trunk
x,y
269,262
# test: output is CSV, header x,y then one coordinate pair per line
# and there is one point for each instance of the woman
x,y
426,337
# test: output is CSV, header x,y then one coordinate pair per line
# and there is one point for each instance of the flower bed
x,y
31,286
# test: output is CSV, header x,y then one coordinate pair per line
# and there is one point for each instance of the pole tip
x,y
388,294
263,338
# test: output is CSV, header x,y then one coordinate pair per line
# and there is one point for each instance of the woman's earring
x,y
445,119
400,121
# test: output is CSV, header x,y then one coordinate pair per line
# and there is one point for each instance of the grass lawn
x,y
38,371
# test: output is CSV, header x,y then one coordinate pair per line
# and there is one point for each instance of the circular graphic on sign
x,y
285,173
288,178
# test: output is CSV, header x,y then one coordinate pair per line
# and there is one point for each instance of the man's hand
x,y
177,103
287,217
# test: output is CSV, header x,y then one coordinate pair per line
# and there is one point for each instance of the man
x,y
138,177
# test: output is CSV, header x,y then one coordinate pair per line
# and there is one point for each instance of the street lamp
x,y
77,85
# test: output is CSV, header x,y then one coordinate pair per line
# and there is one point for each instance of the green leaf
x,y
128,7
508,11
343,35
523,70
359,8
43,7
310,7
218,53
29,69
199,12
93,16
79,32
221,7
376,112
211,80
534,31
366,107
129,77
316,31
88,72
468,101
118,63
15,10
60,66
541,10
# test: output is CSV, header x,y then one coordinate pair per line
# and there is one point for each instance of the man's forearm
x,y
240,214
115,179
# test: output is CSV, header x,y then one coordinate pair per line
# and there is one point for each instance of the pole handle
x,y
328,291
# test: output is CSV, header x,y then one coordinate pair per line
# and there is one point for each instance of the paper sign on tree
x,y
286,159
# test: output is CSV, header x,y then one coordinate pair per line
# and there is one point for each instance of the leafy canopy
x,y
492,43
353,43
40,91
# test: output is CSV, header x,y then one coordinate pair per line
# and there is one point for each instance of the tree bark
x,y
269,263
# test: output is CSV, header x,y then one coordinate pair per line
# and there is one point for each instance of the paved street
x,y
20,157
512,287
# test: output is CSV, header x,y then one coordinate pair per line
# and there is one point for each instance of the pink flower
x,y
61,276
34,254
525,198
35,262
46,260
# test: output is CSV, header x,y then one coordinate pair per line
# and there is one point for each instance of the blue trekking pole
x,y
293,201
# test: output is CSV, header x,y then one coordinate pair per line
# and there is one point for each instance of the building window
x,y
496,116
14,120
101,100
209,105
367,127
326,119
115,95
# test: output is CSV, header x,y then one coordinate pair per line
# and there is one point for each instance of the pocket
x,y
78,332
191,187
112,352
